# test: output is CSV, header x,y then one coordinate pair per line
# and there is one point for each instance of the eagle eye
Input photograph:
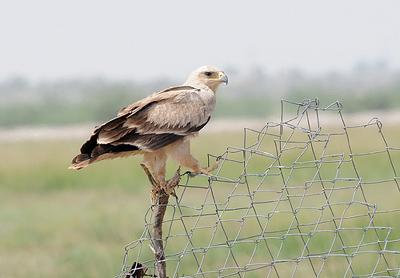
x,y
208,73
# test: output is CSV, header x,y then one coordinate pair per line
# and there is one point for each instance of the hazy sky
x,y
45,39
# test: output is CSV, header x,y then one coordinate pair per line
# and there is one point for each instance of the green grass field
x,y
56,222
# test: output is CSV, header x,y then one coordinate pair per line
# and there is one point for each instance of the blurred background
x,y
66,66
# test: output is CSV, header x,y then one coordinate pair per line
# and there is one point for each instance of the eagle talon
x,y
205,171
192,174
214,166
169,186
208,171
200,172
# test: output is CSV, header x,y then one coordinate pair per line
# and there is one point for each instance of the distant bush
x,y
252,95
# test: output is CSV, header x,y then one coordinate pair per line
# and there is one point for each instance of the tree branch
x,y
160,196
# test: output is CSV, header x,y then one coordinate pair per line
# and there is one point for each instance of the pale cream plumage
x,y
158,126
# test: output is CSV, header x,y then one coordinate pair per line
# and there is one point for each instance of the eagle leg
x,y
205,171
211,168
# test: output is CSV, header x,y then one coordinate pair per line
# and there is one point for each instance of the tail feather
x,y
80,161
95,149
80,165
101,152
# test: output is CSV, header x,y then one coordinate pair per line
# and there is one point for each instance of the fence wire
x,y
296,200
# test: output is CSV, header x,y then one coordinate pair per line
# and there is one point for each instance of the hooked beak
x,y
223,77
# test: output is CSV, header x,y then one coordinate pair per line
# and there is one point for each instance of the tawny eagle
x,y
158,126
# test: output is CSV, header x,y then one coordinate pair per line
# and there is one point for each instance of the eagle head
x,y
210,76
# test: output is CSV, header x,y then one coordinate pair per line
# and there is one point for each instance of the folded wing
x,y
146,125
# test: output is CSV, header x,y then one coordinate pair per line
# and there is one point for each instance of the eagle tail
x,y
80,161
101,152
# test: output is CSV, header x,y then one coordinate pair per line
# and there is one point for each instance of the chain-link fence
x,y
298,199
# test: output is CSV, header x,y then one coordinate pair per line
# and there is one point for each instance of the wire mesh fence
x,y
296,200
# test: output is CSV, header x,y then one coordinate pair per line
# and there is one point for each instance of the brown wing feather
x,y
139,104
149,124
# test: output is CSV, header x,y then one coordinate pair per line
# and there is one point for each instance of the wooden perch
x,y
160,195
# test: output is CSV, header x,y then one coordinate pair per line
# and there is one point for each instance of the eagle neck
x,y
199,85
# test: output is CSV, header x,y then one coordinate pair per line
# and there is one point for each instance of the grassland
x,y
59,223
